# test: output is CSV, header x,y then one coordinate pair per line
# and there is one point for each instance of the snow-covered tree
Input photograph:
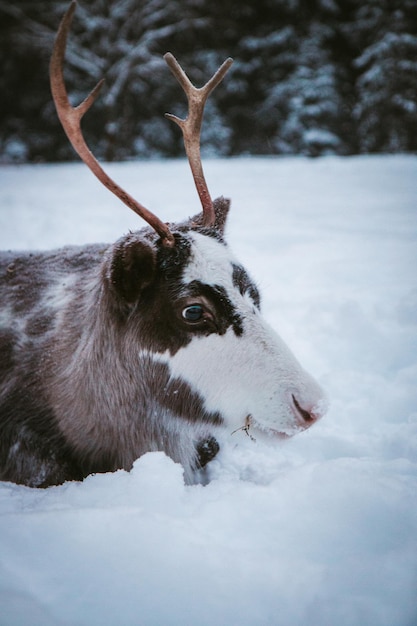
x,y
386,109
310,97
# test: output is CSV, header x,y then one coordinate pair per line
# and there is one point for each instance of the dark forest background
x,y
310,77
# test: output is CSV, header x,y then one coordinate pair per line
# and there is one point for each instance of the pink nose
x,y
306,416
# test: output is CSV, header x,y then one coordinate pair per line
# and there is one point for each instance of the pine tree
x,y
314,106
386,109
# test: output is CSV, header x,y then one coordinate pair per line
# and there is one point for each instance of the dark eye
x,y
193,313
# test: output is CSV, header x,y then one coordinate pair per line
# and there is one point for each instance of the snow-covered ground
x,y
321,529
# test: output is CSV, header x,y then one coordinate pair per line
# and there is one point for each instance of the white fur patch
x,y
211,263
60,293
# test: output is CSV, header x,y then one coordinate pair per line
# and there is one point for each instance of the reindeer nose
x,y
308,416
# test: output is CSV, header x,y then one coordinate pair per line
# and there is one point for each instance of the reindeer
x,y
153,343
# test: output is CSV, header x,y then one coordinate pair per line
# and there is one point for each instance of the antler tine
x,y
191,127
70,118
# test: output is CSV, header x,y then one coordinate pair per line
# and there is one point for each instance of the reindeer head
x,y
186,303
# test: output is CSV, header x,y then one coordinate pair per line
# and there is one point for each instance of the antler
x,y
70,118
191,127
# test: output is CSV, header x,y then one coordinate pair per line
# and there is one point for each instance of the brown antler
x,y
191,127
70,118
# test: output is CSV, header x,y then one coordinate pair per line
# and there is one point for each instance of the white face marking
x,y
252,374
211,263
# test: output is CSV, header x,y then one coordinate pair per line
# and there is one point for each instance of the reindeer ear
x,y
221,209
132,267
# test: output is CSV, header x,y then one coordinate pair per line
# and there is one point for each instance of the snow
x,y
320,529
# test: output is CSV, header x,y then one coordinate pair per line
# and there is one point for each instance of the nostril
x,y
308,417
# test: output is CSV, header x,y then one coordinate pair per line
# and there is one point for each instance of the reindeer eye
x,y
193,313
